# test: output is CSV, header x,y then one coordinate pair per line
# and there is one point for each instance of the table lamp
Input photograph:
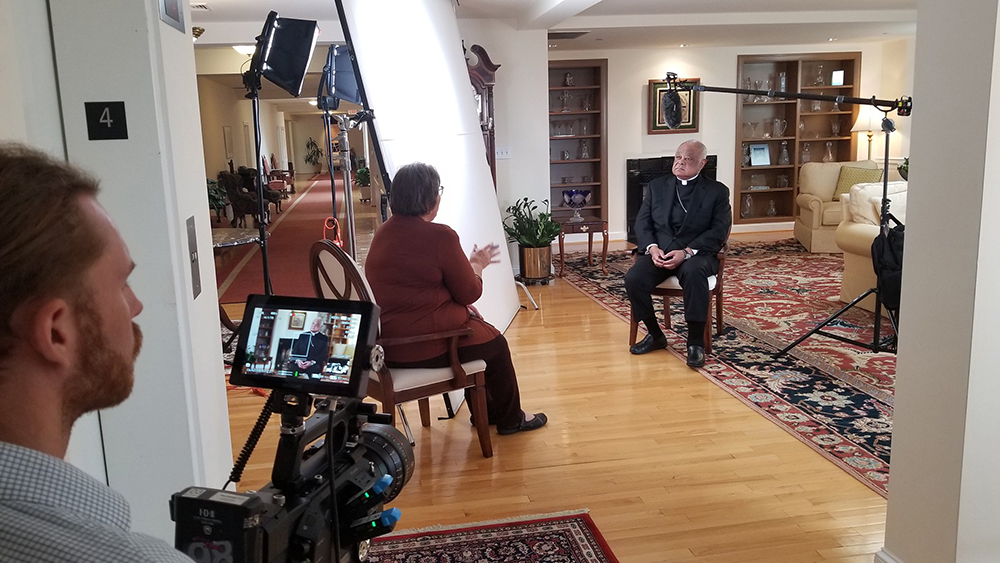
x,y
869,120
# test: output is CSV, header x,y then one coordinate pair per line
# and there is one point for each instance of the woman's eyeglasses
x,y
440,190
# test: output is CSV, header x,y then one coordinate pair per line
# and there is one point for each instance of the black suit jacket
x,y
706,225
314,349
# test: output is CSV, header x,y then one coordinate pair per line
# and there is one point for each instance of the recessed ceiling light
x,y
551,45
245,49
832,39
684,44
312,102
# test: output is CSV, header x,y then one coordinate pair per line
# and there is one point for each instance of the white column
x,y
943,491
173,431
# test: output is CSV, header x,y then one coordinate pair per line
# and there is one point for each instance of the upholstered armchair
x,y
819,212
861,210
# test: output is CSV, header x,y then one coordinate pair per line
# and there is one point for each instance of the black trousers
x,y
693,275
503,400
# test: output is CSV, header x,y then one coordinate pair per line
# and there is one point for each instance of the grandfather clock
x,y
482,73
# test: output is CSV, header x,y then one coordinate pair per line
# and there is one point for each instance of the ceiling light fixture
x,y
196,32
312,102
684,45
832,39
551,45
245,49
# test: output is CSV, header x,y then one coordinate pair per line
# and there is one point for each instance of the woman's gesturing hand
x,y
482,257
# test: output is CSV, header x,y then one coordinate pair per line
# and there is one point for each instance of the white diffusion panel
x,y
417,83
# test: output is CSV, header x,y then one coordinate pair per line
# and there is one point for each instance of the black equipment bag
x,y
887,260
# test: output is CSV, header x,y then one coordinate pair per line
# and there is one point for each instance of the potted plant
x,y
533,232
904,168
363,181
313,154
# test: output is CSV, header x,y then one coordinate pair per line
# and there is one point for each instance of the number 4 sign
x,y
106,120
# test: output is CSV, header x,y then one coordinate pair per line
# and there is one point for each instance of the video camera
x,y
333,471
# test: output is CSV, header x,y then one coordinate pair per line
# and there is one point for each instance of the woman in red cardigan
x,y
424,283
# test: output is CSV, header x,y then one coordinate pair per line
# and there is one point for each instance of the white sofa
x,y
819,214
861,212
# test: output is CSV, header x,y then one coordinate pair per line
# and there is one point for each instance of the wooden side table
x,y
588,225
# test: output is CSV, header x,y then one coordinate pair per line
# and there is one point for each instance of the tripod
x,y
877,344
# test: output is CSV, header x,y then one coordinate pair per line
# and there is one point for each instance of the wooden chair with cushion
x,y
671,287
335,275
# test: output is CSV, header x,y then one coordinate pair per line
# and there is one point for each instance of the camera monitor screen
x,y
307,345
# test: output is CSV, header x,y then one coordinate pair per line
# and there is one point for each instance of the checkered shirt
x,y
51,511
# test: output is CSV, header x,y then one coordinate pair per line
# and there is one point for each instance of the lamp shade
x,y
869,119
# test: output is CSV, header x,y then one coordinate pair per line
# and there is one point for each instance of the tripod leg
x,y
824,323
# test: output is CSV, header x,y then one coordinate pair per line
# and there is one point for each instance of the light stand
x,y
251,80
328,100
284,49
887,344
902,106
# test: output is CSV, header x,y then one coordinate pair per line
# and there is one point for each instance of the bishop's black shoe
x,y
648,344
696,356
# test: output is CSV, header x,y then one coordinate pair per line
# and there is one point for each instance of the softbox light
x,y
284,49
345,83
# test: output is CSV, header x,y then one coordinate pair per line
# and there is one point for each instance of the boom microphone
x,y
670,103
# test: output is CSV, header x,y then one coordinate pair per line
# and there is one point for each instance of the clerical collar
x,y
685,182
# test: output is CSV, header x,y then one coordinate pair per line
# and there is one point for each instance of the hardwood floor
x,y
671,467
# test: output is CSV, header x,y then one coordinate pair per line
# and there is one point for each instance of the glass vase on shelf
x,y
783,158
772,208
834,126
782,83
746,206
745,158
828,156
819,80
806,155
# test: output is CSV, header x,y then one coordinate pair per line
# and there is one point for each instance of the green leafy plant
x,y
904,168
530,229
313,154
216,195
363,177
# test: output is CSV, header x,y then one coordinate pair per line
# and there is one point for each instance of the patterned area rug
x,y
834,397
552,538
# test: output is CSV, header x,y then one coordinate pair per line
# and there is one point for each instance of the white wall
x,y
173,431
521,100
218,107
308,126
629,72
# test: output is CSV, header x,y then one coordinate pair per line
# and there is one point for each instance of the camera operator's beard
x,y
103,377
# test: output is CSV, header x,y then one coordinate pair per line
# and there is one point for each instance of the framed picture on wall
x,y
227,139
297,320
668,114
172,13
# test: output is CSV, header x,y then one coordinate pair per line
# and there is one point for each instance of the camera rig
x,y
334,468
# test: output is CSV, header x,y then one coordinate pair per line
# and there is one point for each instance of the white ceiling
x,y
611,24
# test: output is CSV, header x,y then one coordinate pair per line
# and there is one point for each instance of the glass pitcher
x,y
778,127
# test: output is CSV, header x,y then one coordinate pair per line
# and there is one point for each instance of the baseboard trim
x,y
884,556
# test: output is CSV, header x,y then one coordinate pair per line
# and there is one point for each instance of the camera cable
x,y
258,430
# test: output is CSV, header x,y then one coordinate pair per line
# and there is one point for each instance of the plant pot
x,y
535,263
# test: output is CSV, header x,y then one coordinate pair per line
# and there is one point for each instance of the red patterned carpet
x,y
834,397
561,538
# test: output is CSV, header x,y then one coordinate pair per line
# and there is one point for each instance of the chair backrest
x,y
335,275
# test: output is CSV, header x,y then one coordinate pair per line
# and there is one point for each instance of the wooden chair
x,y
671,287
335,275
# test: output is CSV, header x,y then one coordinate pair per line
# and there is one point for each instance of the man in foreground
x,y
681,226
67,347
